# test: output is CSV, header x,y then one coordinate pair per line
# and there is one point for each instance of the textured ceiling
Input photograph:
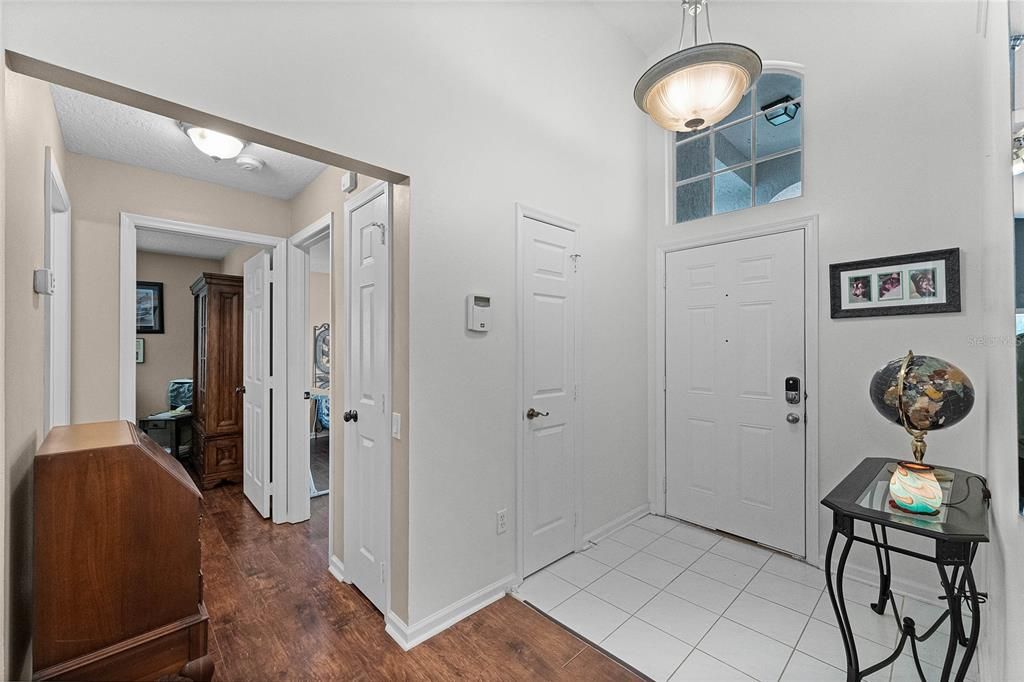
x,y
107,130
176,244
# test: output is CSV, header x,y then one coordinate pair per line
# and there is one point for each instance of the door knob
x,y
533,414
793,418
239,390
351,416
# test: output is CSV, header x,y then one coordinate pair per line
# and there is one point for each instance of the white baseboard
x,y
337,569
409,636
615,524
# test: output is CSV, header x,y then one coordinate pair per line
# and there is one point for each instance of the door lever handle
x,y
533,414
351,416
239,390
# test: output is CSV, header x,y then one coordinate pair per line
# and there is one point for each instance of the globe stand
x,y
913,487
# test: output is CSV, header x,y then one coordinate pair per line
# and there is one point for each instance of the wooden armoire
x,y
217,376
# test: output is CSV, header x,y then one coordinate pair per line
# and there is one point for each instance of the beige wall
x,y
168,355
100,191
319,300
31,127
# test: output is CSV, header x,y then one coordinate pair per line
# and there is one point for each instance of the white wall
x,y
483,106
890,167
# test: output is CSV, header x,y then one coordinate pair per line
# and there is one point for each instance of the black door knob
x,y
351,416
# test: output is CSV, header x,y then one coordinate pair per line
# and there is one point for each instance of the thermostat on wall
x,y
478,313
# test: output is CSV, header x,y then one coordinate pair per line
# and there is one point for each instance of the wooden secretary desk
x,y
217,376
117,581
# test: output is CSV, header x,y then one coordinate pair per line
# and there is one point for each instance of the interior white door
x,y
367,436
256,399
548,262
734,331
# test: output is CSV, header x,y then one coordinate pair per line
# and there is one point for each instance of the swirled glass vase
x,y
914,489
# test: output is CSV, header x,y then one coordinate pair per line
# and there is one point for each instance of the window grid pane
x,y
693,200
733,182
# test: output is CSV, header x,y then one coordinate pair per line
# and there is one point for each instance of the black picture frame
x,y
149,307
951,284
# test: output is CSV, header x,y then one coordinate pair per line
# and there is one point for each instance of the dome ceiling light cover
x,y
698,86
217,146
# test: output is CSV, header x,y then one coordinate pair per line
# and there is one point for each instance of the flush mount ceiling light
x,y
698,86
217,146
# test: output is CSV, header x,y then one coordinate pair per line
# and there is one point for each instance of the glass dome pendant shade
x,y
698,86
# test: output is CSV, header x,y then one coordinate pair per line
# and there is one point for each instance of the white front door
x,y
549,304
256,382
734,332
365,413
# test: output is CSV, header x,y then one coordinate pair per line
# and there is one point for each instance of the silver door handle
x,y
793,418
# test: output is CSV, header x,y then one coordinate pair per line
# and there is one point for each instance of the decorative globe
x,y
936,393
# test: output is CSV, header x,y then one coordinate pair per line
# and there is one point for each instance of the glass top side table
x,y
957,531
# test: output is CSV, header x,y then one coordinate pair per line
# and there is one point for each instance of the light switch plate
x,y
396,426
42,281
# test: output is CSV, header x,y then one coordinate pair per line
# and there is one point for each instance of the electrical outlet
x,y
502,521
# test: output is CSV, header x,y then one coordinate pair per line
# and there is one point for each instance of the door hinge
x,y
382,573
576,261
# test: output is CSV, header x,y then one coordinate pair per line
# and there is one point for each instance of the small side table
x,y
957,531
174,422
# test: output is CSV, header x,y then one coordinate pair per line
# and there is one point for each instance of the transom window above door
x,y
753,157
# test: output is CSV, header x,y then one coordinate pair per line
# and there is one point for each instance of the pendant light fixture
x,y
698,86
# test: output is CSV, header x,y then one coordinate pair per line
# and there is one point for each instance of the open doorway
x,y
136,202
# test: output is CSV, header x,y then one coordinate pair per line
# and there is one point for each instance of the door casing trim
x,y
299,360
523,212
130,224
657,453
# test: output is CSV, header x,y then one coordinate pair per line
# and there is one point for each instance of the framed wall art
x,y
322,355
149,308
910,284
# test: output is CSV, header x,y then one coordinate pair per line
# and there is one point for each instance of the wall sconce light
x,y
784,114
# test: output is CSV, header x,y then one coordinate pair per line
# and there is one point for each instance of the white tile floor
x,y
683,603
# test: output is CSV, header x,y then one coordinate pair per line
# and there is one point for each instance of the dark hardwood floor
x,y
277,614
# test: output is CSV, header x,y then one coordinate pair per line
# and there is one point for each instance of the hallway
x,y
276,613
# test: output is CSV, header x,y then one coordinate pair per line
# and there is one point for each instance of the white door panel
x,y
734,330
256,381
548,272
367,447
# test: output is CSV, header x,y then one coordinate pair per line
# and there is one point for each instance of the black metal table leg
x,y
975,604
835,595
951,596
884,571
